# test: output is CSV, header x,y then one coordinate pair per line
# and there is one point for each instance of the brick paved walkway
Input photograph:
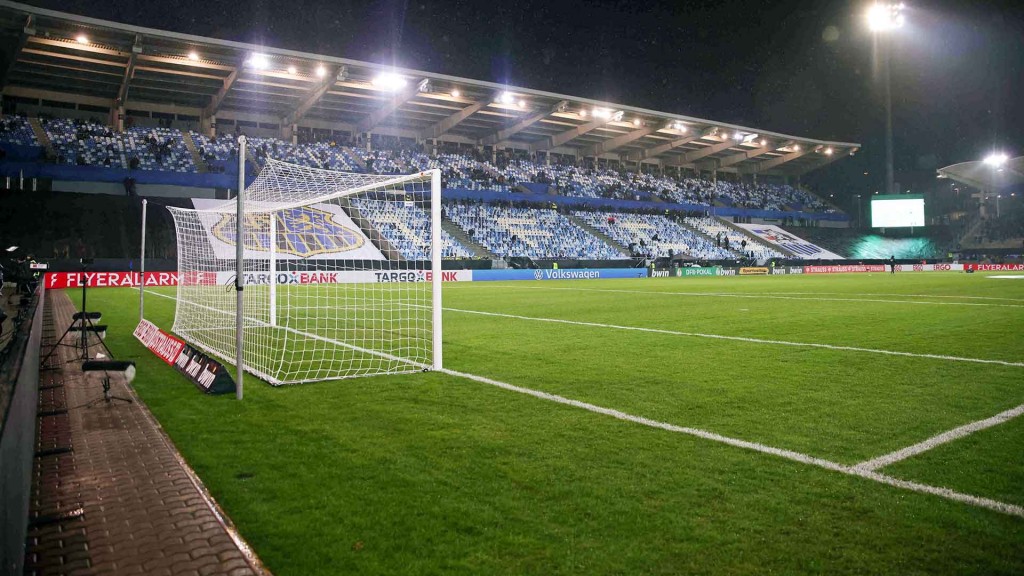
x,y
110,493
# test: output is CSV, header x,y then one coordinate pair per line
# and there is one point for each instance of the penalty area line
x,y
742,338
770,296
979,501
939,439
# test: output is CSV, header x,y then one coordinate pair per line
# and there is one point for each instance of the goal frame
x,y
435,267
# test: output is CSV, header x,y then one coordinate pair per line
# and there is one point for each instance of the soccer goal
x,y
339,273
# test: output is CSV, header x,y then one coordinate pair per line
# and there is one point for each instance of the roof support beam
x,y
26,32
754,153
506,133
129,72
568,135
389,107
780,160
436,130
218,98
662,148
824,160
619,141
695,155
311,97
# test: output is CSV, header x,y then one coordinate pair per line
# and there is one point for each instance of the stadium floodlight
x,y
389,81
456,93
737,136
796,147
292,69
321,71
764,141
82,39
11,248
193,56
996,159
637,122
679,126
258,61
828,151
522,103
583,113
885,17
602,113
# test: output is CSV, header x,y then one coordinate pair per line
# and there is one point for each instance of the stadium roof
x,y
66,58
985,176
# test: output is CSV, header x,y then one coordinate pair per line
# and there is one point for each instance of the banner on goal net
x,y
319,231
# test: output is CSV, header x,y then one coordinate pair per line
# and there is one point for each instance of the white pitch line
x,y
761,296
945,437
988,503
903,295
744,339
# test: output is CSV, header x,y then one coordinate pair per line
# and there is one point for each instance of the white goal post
x,y
340,274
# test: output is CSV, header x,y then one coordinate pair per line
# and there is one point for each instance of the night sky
x,y
801,68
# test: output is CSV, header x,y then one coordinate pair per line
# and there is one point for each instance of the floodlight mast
x,y
883,19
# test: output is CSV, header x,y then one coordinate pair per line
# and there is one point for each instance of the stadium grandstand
x,y
93,106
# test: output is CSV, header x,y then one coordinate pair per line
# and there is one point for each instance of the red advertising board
x,y
844,268
58,280
995,267
167,347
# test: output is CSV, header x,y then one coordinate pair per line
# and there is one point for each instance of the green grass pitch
x,y
435,474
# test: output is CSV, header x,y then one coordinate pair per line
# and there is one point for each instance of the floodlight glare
x,y
259,61
583,113
321,71
455,93
796,147
390,82
11,248
522,103
82,39
996,159
885,17
636,121
193,56
506,98
828,151
764,141
292,69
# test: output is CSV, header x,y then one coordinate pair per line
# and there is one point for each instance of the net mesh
x,y
327,294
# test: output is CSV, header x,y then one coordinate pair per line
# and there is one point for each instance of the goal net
x,y
340,274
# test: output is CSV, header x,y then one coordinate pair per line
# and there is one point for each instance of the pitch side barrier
x,y
698,271
61,280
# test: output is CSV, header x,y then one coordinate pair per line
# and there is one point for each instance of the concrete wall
x,y
148,190
17,449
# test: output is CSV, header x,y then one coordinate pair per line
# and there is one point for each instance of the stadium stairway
x,y
753,237
459,234
599,235
196,158
371,232
355,158
41,137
